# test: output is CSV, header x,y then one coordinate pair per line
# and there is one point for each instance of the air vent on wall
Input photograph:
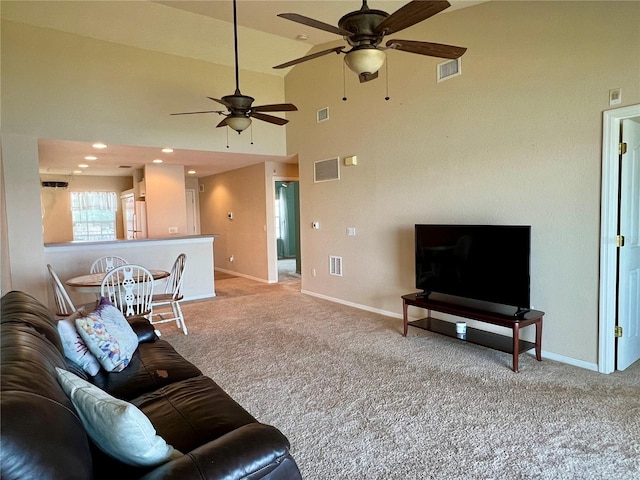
x,y
55,184
322,114
449,69
335,265
325,170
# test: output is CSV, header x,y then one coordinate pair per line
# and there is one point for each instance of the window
x,y
94,215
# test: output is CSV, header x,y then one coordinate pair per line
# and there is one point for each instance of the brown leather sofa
x,y
43,438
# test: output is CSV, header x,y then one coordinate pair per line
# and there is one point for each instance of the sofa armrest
x,y
252,451
143,328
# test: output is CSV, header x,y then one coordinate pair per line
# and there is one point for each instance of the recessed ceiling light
x,y
90,157
83,165
158,160
167,150
191,172
99,145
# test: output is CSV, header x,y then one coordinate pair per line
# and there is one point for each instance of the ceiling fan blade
x,y
223,123
310,57
412,13
226,104
194,113
269,118
427,48
366,77
310,22
276,107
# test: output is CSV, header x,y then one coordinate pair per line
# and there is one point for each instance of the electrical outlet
x,y
173,229
313,272
351,231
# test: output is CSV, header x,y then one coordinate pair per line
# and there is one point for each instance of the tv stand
x,y
503,343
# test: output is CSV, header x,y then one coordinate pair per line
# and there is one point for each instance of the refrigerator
x,y
135,217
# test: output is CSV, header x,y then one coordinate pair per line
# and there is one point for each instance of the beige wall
x,y
165,200
56,203
516,139
245,237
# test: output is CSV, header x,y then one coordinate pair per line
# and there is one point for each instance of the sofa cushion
x,y
192,412
109,336
117,427
152,366
74,347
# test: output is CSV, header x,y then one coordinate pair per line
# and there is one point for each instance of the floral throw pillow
x,y
74,347
109,336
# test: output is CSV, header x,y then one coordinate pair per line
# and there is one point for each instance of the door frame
x,y
274,254
612,119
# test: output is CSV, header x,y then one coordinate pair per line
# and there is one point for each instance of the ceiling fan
x,y
365,29
239,110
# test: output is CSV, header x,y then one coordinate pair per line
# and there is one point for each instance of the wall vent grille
x,y
326,170
448,69
322,114
335,265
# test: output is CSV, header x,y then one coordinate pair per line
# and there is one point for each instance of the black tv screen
x,y
481,262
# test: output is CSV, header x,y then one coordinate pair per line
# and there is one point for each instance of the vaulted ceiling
x,y
201,30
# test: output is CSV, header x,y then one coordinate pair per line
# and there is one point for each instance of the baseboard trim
x,y
351,304
236,274
548,355
199,297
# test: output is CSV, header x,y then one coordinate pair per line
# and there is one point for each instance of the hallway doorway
x,y
287,221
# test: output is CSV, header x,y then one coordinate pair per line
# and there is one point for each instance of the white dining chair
x,y
129,288
165,307
64,305
107,263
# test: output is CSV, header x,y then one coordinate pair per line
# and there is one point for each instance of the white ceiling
x,y
258,25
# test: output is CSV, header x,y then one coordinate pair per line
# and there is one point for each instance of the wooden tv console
x,y
503,343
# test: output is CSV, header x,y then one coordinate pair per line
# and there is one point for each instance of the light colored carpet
x,y
358,400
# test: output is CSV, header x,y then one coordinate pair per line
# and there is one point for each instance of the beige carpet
x,y
357,400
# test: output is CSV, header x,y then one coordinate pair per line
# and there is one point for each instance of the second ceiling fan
x,y
239,110
365,29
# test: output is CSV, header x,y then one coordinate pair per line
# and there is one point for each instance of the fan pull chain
x,y
387,78
227,131
251,127
344,84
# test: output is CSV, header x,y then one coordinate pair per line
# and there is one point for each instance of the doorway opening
x,y
287,227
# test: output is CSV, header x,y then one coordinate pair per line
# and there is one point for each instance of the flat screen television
x,y
489,263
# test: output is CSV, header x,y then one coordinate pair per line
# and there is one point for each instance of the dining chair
x,y
107,263
64,305
166,306
129,287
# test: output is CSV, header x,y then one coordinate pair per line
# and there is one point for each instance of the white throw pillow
x,y
74,347
118,428
109,336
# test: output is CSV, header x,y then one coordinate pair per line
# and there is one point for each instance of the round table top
x,y
95,279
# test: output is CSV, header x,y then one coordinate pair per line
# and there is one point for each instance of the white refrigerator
x,y
135,217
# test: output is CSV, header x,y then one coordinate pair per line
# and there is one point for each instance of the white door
x,y
629,260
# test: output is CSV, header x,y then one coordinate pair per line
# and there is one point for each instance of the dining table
x,y
92,282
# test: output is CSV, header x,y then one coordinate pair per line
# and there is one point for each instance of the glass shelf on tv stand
x,y
503,343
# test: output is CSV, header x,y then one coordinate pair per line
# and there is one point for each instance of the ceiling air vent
x,y
325,170
448,69
55,184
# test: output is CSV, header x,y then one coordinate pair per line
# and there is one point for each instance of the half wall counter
x,y
75,258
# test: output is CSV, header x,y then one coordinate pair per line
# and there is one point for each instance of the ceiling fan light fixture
x,y
365,60
238,122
